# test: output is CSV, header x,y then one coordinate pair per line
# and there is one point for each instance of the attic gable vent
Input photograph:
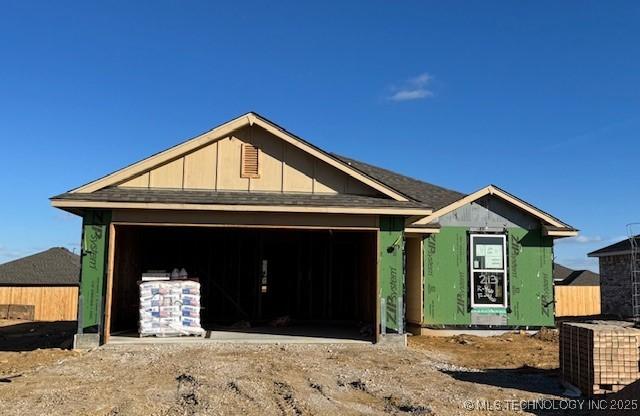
x,y
249,168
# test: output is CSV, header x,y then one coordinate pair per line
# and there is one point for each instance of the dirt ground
x,y
430,377
511,350
433,376
250,379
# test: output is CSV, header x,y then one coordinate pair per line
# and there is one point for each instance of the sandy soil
x,y
28,345
254,380
511,350
248,379
432,376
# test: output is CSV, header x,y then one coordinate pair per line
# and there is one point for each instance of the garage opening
x,y
315,283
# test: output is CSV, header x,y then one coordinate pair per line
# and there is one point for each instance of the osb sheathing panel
x,y
414,280
95,237
391,258
282,168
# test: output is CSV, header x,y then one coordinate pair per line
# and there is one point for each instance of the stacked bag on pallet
x,y
170,308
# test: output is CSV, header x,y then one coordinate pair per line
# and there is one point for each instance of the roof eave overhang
x,y
559,233
610,253
77,206
420,231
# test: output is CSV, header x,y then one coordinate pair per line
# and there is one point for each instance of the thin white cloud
x,y
408,95
415,88
589,239
581,239
8,254
579,263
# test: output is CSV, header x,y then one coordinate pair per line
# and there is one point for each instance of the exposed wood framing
x,y
559,233
378,335
110,266
420,231
414,281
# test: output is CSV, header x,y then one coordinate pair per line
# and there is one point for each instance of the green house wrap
x,y
95,229
530,280
392,271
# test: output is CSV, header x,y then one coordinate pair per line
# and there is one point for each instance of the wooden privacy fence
x,y
51,303
577,300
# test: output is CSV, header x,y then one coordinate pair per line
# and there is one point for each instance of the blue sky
x,y
540,98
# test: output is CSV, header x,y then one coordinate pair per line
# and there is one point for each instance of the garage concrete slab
x,y
294,335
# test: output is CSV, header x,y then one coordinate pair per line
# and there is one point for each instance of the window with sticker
x,y
488,257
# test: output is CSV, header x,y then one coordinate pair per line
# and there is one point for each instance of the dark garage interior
x,y
275,280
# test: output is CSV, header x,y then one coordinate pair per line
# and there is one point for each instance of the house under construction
x,y
274,226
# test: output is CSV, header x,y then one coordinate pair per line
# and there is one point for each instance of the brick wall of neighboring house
x,y
615,285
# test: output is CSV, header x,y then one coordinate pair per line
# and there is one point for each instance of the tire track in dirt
x,y
233,386
287,403
187,395
392,404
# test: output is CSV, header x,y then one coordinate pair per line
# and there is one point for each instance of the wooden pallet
x,y
172,335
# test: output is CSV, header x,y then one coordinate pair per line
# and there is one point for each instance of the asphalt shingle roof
x,y
56,266
236,198
620,246
564,276
431,195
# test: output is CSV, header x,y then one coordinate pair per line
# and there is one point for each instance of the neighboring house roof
x,y
560,272
619,248
56,266
431,195
564,276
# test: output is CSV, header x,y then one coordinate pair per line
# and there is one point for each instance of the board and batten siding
x,y
217,166
51,303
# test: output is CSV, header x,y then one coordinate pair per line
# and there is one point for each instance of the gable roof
x,y
431,195
564,276
619,248
553,226
399,192
55,266
222,130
